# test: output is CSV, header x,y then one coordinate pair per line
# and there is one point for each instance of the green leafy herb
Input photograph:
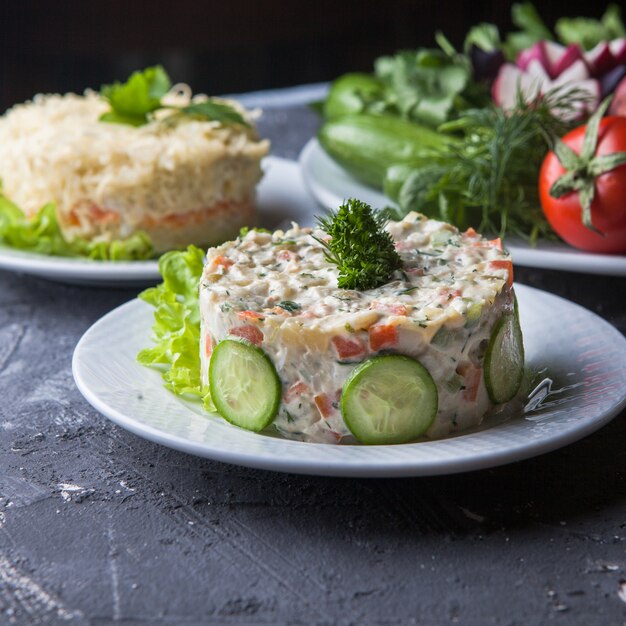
x,y
589,32
244,230
532,29
484,36
214,111
136,100
176,329
490,181
289,305
423,85
42,235
131,102
359,246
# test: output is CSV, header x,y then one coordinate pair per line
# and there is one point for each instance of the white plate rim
x,y
297,463
546,255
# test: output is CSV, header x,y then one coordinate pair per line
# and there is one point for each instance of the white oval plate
x,y
281,197
330,185
585,355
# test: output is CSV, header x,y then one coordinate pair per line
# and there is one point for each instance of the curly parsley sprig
x,y
359,246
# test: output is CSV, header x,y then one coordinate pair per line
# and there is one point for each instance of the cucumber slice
x,y
389,399
244,385
504,359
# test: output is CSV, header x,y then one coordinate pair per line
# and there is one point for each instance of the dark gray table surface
x,y
98,526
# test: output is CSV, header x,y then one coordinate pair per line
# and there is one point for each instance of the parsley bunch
x,y
134,101
359,246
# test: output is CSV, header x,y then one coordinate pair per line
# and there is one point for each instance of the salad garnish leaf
x,y
588,32
42,235
485,36
359,246
423,85
135,101
176,329
289,305
244,230
141,94
214,111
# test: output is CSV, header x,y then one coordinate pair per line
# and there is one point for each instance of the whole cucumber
x,y
352,93
366,145
396,176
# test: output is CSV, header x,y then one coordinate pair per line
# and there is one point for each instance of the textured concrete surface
x,y
98,526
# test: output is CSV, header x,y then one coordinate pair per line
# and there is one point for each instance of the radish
x,y
571,56
535,81
535,53
576,72
606,56
553,52
553,57
511,79
612,79
600,59
618,50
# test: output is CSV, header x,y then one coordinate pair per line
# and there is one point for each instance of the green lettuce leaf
x,y
42,235
176,329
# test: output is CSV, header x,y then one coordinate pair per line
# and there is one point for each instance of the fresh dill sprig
x,y
490,180
359,246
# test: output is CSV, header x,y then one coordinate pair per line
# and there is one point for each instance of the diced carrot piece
x,y
383,336
496,243
393,309
450,294
251,333
286,255
102,215
505,264
208,345
470,232
471,380
222,261
297,389
250,315
347,348
324,404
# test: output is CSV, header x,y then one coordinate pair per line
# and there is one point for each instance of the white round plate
x,y
330,185
281,197
584,355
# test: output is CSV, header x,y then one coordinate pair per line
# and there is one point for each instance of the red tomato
x,y
608,209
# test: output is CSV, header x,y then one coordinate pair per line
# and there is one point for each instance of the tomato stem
x,y
581,170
